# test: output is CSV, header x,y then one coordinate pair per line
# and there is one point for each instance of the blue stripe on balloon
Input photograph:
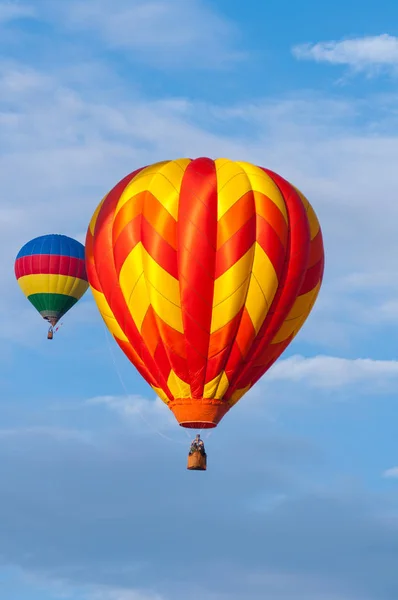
x,y
53,244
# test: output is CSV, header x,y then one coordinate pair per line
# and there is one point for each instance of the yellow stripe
x,y
178,387
164,292
161,394
132,284
261,182
108,316
217,387
95,215
262,288
237,395
312,218
163,180
166,185
230,291
140,279
232,184
53,284
297,316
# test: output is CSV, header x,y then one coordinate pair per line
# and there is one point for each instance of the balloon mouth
x,y
198,413
198,425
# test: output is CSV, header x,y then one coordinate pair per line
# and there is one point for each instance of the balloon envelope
x,y
204,271
51,272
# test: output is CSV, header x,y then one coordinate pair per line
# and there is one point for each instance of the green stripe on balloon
x,y
52,304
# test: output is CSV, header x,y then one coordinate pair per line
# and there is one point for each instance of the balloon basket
x,y
197,462
50,335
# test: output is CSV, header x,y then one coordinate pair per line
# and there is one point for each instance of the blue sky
x,y
95,500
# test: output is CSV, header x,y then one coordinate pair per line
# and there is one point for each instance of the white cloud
x,y
13,11
331,372
172,32
121,594
361,54
71,145
146,416
391,473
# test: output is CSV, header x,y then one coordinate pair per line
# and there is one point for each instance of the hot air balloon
x,y
51,272
204,271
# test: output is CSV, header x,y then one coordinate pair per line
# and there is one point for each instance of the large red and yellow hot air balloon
x,y
204,271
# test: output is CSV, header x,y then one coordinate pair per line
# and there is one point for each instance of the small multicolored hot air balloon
x,y
204,271
51,272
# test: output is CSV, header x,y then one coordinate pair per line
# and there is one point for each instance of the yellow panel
x,y
163,180
78,288
160,279
237,395
233,282
95,215
232,184
108,316
156,279
227,310
262,288
232,279
261,182
166,185
52,284
220,162
167,311
312,218
132,284
292,325
217,387
139,302
178,387
161,394
302,303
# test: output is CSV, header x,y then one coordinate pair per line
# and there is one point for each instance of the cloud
x,y
14,11
170,33
330,372
149,416
102,518
391,473
72,144
121,594
363,54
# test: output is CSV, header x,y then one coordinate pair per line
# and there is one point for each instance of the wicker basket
x,y
197,462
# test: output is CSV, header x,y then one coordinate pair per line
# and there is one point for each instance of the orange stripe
x,y
235,218
160,250
160,219
220,347
246,333
223,337
271,213
148,205
236,247
140,230
171,338
128,238
126,215
149,331
271,244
